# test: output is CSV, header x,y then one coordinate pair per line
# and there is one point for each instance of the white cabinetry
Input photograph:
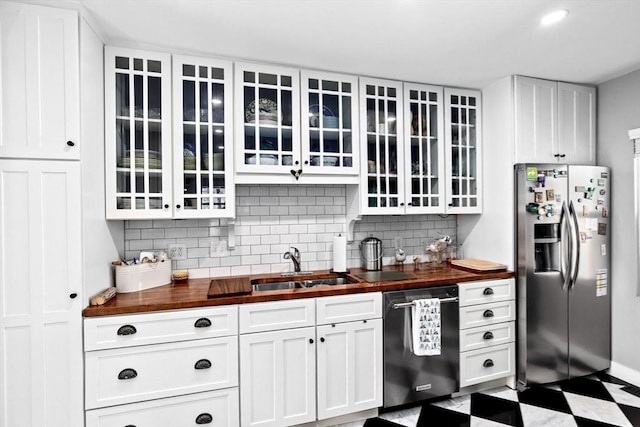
x,y
277,363
487,331
39,106
41,288
349,371
183,364
463,150
554,122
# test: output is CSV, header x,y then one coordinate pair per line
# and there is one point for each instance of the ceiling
x,y
465,43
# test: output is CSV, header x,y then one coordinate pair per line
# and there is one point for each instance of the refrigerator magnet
x,y
539,197
605,212
602,228
585,210
550,195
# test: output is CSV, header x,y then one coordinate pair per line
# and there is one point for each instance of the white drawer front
x,y
273,316
155,328
487,314
487,336
487,364
347,308
160,370
221,407
486,291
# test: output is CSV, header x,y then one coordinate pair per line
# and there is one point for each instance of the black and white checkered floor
x,y
597,400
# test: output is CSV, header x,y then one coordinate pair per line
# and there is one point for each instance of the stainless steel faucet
x,y
294,256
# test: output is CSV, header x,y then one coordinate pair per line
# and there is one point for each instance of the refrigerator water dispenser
x,y
547,247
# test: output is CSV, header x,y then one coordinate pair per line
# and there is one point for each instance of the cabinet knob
x,y
322,339
127,374
487,313
563,155
202,322
409,204
556,155
130,425
166,205
202,364
73,295
306,162
401,204
488,335
296,162
487,291
178,206
487,363
204,418
310,340
71,143
127,330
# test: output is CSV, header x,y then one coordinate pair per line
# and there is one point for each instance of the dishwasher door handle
x,y
410,304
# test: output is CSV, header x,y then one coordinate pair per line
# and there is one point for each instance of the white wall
x,y
618,112
490,236
101,240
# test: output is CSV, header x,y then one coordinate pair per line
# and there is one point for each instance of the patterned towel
x,y
426,327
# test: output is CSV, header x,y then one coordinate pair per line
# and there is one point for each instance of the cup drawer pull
x,y
127,330
127,374
487,291
487,313
202,364
488,335
204,418
488,363
203,322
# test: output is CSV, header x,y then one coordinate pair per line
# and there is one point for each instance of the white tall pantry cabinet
x,y
40,218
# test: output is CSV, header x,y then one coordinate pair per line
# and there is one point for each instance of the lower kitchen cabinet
x,y
213,408
349,367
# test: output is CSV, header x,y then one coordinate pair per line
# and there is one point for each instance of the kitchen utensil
x,y
371,253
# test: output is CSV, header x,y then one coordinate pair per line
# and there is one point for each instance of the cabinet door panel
x,y
39,110
576,123
40,319
349,367
277,377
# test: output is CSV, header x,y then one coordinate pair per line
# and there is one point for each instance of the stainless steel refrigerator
x,y
562,259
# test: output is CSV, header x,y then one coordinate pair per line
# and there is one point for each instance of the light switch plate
x,y
177,251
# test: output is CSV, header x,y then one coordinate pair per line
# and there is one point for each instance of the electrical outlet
x,y
177,251
218,249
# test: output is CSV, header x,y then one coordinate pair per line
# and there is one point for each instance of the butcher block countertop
x,y
194,292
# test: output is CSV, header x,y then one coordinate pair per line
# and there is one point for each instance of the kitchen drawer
x,y
273,316
486,291
117,376
487,314
487,336
161,327
487,364
221,407
347,308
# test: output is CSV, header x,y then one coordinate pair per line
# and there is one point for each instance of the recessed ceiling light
x,y
554,17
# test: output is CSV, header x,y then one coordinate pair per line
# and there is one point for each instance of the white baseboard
x,y
625,373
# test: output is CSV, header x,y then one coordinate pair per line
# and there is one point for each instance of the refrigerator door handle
x,y
576,245
566,249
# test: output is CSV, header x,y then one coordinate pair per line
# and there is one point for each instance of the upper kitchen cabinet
x,y
202,138
267,117
330,125
424,156
39,72
382,165
554,122
137,134
462,120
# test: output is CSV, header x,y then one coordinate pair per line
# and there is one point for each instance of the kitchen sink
x,y
272,284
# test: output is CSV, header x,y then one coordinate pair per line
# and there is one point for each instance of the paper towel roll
x,y
340,253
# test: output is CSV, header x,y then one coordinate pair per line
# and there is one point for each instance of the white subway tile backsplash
x,y
272,218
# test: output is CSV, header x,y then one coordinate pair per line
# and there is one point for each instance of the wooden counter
x,y
193,293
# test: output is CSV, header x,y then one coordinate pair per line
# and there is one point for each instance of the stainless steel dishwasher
x,y
410,378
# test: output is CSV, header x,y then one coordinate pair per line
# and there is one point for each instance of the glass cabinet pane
x,y
328,140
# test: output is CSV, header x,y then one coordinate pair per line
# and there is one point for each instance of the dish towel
x,y
426,327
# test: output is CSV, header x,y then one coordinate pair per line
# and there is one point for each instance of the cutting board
x,y
229,287
478,264
383,276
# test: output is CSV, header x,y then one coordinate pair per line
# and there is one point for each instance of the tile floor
x,y
596,400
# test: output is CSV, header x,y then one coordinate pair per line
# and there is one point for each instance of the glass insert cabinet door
x,y
424,155
329,123
138,134
202,138
267,117
382,165
463,144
